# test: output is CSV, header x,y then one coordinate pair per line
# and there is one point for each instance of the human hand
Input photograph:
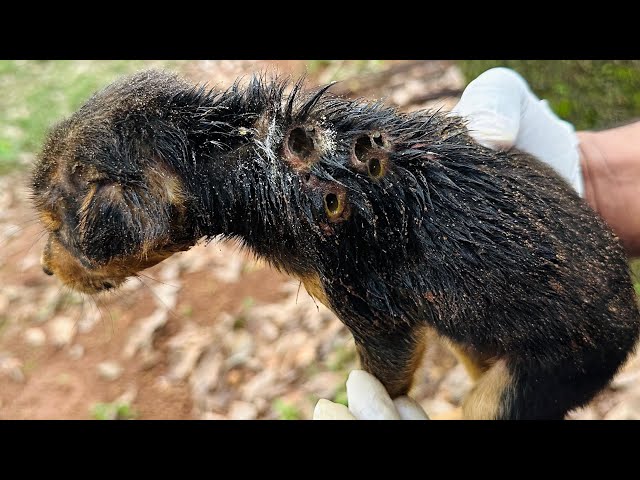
x,y
502,112
369,400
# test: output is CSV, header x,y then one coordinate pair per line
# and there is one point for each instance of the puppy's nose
x,y
46,270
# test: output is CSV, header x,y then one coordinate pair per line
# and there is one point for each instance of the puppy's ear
x,y
123,220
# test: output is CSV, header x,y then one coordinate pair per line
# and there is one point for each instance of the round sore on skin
x,y
335,204
370,155
333,196
300,149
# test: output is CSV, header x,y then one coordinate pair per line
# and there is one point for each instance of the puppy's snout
x,y
46,270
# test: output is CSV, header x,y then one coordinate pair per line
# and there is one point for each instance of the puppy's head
x,y
111,204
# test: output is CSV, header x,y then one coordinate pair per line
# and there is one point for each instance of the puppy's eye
x,y
332,205
375,167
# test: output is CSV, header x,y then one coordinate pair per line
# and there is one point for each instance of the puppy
x,y
397,222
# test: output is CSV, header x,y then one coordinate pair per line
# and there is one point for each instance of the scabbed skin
x,y
398,222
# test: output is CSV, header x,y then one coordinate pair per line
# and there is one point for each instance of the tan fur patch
x,y
165,186
313,285
71,272
474,363
420,335
51,223
88,197
483,403
453,414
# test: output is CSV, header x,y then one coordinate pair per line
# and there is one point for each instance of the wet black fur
x,y
493,250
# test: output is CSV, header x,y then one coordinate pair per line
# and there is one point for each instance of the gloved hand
x,y
368,400
502,112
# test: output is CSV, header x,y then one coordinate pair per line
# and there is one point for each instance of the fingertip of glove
x,y
409,409
328,410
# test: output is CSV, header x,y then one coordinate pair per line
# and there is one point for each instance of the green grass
x,y
591,94
186,311
35,94
341,395
113,411
635,274
286,411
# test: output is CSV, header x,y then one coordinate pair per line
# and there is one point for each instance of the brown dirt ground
x,y
58,386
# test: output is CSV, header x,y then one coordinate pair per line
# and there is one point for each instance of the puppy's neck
x,y
223,148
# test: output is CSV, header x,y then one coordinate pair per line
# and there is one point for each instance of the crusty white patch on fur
x,y
326,141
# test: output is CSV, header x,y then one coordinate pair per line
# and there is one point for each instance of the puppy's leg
x,y
475,364
392,357
492,389
535,389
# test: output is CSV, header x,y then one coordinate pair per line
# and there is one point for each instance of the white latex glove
x,y
369,400
502,112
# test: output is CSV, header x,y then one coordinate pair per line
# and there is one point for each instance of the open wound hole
x,y
332,203
329,198
361,148
370,154
375,167
335,206
300,147
300,143
377,139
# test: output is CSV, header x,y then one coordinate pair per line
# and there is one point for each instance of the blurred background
x,y
213,333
